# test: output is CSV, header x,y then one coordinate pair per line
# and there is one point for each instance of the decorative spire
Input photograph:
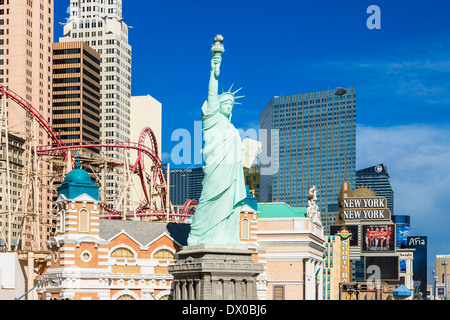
x,y
78,164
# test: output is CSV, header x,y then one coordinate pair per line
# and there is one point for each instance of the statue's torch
x,y
217,50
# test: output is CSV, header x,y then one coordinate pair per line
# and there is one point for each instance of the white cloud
x,y
406,73
417,157
165,157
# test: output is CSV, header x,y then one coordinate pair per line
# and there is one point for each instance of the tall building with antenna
x,y
100,24
315,146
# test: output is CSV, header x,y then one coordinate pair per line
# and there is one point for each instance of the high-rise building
x,y
26,38
76,93
99,23
252,176
376,178
185,184
314,146
145,112
420,246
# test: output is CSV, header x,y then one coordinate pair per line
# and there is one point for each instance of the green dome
x,y
78,182
78,176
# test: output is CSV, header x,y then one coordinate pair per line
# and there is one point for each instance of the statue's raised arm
x,y
213,89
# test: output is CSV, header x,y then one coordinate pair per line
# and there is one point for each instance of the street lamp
x,y
57,281
434,283
444,263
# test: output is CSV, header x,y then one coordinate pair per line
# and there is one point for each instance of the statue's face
x,y
226,107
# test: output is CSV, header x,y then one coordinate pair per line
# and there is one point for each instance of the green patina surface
x,y
216,219
280,210
77,183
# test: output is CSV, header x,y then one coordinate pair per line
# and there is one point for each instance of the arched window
x,y
164,254
94,23
126,297
84,220
122,253
80,24
87,24
245,229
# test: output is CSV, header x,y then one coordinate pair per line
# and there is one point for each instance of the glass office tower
x,y
185,184
376,178
314,146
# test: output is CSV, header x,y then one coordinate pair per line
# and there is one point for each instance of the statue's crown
x,y
228,95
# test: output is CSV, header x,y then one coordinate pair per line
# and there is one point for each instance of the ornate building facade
x,y
293,249
97,259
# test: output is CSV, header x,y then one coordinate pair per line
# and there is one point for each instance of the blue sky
x,y
402,75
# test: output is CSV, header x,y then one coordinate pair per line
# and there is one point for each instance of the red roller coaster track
x,y
156,178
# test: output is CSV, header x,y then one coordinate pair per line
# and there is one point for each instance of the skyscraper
x,y
315,147
376,178
76,93
252,177
185,184
100,24
26,38
145,112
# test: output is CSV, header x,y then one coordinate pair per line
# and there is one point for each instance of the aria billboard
x,y
378,238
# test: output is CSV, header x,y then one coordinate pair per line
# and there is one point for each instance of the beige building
x,y
26,37
332,267
145,112
407,275
294,248
442,280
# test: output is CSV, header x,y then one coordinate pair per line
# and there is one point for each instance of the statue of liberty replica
x,y
215,265
216,218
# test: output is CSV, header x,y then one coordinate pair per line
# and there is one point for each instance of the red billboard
x,y
378,238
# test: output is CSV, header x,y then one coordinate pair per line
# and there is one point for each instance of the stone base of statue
x,y
213,272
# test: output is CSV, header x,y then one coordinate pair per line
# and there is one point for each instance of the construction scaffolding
x,y
26,225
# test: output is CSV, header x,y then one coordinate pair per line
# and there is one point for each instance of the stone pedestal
x,y
212,272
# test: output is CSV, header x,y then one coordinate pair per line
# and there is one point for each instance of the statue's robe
x,y
216,219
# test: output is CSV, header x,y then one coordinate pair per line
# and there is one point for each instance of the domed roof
x,y
78,175
77,183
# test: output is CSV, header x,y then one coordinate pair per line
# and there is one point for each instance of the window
x,y
122,253
278,292
84,220
245,229
86,256
164,254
